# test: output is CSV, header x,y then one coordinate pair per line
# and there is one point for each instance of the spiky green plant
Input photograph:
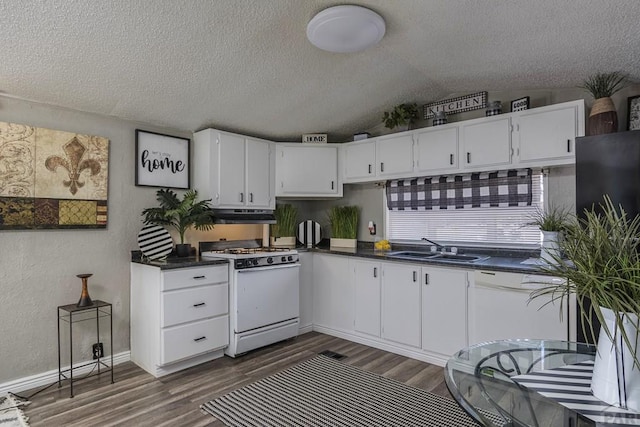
x,y
401,114
603,85
286,221
344,221
554,218
601,263
180,214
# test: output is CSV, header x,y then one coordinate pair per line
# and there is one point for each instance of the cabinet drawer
x,y
180,342
186,277
186,305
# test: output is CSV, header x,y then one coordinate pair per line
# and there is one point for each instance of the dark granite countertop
x,y
175,262
511,260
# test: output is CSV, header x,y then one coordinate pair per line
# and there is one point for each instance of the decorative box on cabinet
x,y
179,317
233,170
307,170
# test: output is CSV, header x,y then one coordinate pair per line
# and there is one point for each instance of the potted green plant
x,y
344,226
601,264
283,232
180,214
603,117
551,223
401,116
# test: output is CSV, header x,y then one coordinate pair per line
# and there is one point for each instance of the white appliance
x,y
264,289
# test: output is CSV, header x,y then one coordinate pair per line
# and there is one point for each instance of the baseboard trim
x,y
49,377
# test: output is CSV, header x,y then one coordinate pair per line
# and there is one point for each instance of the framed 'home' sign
x,y
162,160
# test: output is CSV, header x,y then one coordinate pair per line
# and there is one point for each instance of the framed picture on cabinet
x,y
520,104
162,160
633,112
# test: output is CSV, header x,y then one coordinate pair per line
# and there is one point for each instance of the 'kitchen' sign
x,y
475,101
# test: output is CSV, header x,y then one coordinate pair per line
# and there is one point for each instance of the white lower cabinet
x,y
306,289
179,317
444,310
367,281
333,296
401,322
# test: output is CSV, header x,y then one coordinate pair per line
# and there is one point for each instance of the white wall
x,y
38,268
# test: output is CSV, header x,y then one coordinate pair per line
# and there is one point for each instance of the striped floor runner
x,y
571,387
326,392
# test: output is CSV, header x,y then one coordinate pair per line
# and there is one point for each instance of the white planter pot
x,y
283,242
549,246
343,243
615,380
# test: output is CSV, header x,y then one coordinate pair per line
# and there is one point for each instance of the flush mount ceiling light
x,y
345,29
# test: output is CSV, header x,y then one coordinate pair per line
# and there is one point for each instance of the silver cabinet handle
x,y
199,339
375,271
426,278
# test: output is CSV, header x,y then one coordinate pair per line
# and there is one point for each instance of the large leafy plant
x,y
180,214
601,263
401,114
603,85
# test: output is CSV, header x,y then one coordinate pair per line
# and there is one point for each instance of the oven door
x,y
266,295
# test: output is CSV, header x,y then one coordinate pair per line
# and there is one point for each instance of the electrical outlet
x,y
98,351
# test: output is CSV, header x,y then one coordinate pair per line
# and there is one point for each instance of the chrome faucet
x,y
438,246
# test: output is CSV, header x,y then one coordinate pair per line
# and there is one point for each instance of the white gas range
x,y
264,289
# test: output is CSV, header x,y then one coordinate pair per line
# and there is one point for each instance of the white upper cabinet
x,y
546,136
359,159
394,155
234,171
437,149
486,142
307,170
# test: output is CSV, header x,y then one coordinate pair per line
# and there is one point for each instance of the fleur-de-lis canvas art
x,y
52,179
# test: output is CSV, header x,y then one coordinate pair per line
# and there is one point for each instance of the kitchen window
x,y
471,226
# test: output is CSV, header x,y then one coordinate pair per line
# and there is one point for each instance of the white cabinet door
x,y
444,310
306,289
307,170
367,297
233,170
547,135
401,303
260,177
359,161
332,292
486,142
437,149
394,155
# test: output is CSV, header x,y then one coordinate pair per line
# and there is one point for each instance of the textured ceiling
x,y
246,65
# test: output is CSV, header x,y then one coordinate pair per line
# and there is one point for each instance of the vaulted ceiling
x,y
247,66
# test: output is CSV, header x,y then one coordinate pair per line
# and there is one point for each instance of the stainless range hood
x,y
244,216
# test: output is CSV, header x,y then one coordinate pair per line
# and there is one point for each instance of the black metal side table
x,y
71,314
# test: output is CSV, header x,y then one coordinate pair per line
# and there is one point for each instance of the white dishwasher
x,y
499,308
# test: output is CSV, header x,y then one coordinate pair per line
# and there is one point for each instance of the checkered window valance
x,y
474,190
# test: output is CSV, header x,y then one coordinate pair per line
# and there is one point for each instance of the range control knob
x,y
283,259
290,258
255,261
269,260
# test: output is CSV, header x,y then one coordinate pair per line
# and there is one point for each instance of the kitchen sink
x,y
415,255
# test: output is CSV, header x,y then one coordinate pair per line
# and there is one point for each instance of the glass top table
x,y
520,383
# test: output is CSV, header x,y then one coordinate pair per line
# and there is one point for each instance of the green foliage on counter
x,y
601,263
344,222
286,221
553,219
180,214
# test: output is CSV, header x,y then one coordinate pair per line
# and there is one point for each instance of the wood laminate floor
x,y
139,399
